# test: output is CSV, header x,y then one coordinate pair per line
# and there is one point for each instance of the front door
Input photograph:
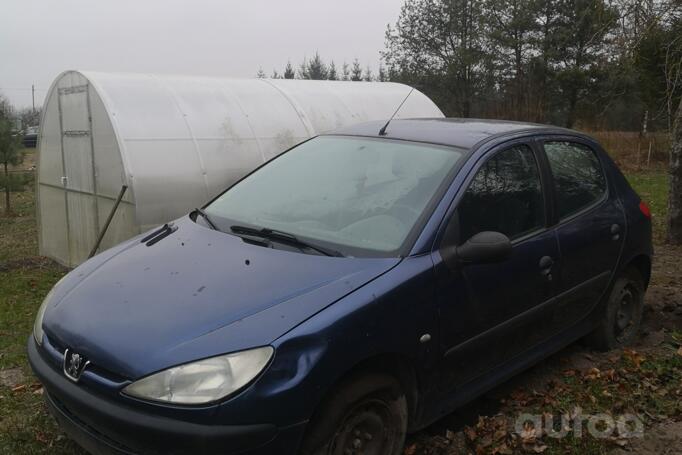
x,y
492,312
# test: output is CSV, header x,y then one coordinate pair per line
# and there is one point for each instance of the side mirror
x,y
484,247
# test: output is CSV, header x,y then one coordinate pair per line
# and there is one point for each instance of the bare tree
x,y
675,192
345,72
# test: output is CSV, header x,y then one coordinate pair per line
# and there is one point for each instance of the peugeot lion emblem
x,y
74,364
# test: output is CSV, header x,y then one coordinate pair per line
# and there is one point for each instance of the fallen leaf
x,y
592,374
635,357
609,374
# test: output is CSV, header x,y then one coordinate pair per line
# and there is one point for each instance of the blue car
x,y
358,287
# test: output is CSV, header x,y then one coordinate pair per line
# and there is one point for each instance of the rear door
x,y
591,226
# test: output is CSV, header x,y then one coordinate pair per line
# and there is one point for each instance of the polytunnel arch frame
x,y
302,108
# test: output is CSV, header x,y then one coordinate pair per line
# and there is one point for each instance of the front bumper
x,y
103,426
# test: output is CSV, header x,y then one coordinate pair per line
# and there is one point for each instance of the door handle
x,y
615,232
546,264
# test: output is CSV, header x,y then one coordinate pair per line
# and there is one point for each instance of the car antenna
x,y
382,131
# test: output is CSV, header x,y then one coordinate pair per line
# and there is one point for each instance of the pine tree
x,y
368,76
316,69
356,72
303,69
261,74
331,74
289,72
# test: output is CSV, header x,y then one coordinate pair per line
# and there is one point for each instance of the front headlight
x,y
38,324
203,381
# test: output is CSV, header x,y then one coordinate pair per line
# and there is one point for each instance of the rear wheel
x,y
620,324
366,415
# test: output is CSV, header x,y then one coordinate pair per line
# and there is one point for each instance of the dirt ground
x,y
476,428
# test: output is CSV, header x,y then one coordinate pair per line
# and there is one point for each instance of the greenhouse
x,y
175,142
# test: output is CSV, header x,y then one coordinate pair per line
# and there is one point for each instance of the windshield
x,y
361,196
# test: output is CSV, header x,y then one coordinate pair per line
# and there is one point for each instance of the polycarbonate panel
x,y
271,114
322,116
75,110
169,184
211,110
50,150
78,163
52,229
143,107
123,225
108,164
227,160
82,226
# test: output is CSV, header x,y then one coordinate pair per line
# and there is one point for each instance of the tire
x,y
622,317
365,415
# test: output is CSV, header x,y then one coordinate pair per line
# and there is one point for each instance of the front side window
x,y
578,178
361,196
505,196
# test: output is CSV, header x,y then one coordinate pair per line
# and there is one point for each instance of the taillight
x,y
646,211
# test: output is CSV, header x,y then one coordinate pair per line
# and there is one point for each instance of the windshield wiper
x,y
285,237
205,216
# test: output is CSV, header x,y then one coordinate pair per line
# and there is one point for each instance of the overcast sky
x,y
41,38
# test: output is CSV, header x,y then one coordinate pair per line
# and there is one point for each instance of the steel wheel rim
x,y
626,312
368,429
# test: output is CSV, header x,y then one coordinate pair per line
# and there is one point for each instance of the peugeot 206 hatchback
x,y
357,287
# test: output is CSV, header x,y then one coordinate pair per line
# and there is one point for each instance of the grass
x,y
25,278
25,426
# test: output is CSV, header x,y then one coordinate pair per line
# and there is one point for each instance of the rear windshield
x,y
361,196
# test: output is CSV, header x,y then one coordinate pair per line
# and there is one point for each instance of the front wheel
x,y
620,323
366,415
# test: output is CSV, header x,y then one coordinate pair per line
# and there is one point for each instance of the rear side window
x,y
505,196
578,177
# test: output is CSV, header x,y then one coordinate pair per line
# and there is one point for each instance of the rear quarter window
x,y
578,176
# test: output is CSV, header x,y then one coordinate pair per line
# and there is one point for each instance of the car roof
x,y
457,132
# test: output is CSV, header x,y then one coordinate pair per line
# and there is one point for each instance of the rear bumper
x,y
103,426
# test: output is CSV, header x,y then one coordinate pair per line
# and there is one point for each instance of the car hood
x,y
134,310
